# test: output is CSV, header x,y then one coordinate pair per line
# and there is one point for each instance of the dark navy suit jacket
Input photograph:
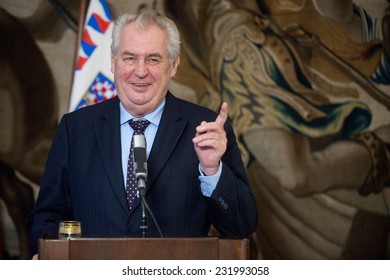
x,y
83,179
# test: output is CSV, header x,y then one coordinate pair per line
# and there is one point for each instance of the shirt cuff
x,y
209,183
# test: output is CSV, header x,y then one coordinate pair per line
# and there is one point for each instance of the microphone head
x,y
139,141
139,157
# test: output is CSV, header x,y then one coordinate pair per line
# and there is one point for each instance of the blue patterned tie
x,y
139,127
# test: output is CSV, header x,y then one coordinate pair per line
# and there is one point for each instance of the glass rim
x,y
70,222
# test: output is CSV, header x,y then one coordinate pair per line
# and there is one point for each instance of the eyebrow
x,y
155,54
149,55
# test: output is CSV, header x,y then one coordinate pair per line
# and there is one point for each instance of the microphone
x,y
140,163
141,173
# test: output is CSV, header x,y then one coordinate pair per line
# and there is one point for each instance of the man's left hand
x,y
210,142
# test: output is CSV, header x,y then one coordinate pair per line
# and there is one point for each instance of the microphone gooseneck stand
x,y
144,205
142,192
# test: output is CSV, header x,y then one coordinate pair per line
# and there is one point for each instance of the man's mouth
x,y
140,86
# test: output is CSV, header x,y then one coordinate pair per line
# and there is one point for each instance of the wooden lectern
x,y
208,248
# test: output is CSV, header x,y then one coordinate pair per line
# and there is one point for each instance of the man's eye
x,y
153,60
129,58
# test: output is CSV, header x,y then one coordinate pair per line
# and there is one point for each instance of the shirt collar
x,y
153,117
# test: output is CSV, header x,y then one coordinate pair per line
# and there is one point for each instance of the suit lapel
x,y
107,129
171,128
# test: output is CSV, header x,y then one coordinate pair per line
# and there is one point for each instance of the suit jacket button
x,y
223,203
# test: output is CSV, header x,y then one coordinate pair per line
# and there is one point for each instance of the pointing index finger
x,y
223,114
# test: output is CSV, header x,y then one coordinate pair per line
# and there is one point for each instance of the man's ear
x,y
112,56
175,65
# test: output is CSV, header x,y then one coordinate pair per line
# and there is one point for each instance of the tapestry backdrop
x,y
308,87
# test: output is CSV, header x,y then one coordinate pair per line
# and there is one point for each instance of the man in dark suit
x,y
195,174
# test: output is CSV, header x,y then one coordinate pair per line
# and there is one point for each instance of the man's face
x,y
141,69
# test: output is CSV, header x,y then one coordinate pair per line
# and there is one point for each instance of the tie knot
x,y
139,126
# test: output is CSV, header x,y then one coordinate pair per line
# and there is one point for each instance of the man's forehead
x,y
149,41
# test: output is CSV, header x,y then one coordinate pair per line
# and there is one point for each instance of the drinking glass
x,y
69,229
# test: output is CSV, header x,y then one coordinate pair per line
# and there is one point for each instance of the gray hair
x,y
143,20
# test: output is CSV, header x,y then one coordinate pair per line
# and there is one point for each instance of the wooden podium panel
x,y
209,248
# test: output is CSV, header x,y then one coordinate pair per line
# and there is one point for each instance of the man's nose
x,y
141,68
